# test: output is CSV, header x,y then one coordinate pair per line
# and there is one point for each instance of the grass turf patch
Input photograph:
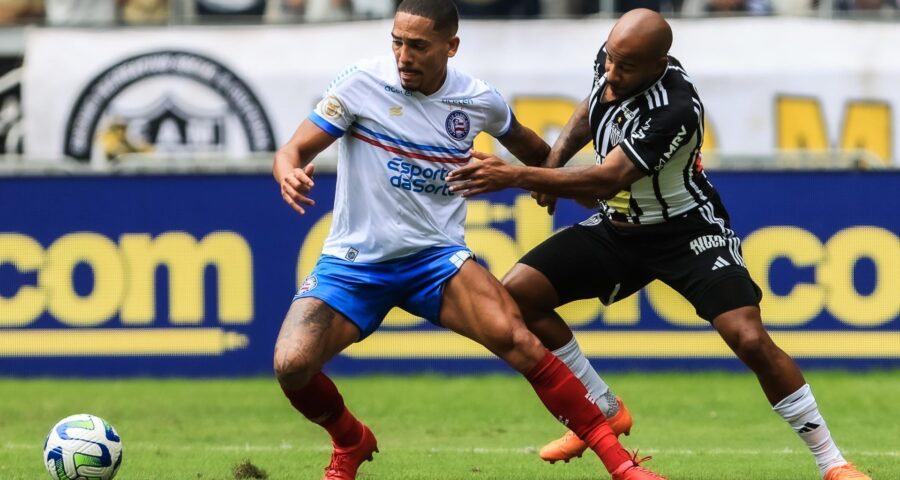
x,y
715,426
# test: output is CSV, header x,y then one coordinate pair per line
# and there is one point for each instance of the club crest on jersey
x,y
616,133
457,124
310,283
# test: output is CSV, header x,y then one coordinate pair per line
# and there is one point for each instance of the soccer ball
x,y
82,447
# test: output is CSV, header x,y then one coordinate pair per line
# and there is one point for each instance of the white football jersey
x,y
396,149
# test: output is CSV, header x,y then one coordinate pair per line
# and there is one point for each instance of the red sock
x,y
321,403
567,399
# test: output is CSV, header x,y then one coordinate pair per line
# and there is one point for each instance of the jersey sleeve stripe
x,y
325,125
634,156
656,100
664,93
404,143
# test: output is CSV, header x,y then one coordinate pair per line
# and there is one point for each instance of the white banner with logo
x,y
769,84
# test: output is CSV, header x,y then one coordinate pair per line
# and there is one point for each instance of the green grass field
x,y
697,426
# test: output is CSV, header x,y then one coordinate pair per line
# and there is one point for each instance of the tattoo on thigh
x,y
302,331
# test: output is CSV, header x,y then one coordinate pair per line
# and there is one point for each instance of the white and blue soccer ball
x,y
82,447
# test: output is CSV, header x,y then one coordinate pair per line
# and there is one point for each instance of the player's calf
x,y
567,399
312,333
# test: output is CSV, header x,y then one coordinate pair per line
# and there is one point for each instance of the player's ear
x,y
454,46
663,62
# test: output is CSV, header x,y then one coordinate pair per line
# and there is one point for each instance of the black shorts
x,y
697,254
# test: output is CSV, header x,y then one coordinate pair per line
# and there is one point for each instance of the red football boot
x,y
635,471
346,461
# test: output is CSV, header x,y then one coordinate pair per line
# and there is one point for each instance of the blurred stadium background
x,y
143,240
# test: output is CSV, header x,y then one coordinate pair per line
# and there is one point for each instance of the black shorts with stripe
x,y
697,254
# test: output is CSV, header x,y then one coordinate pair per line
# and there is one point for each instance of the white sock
x,y
598,390
799,409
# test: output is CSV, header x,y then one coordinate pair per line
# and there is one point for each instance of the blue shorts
x,y
365,292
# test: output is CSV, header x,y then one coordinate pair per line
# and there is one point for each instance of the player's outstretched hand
x,y
486,173
296,186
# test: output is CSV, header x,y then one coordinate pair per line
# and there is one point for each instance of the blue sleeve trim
x,y
326,125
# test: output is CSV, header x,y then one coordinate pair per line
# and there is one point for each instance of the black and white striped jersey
x,y
661,130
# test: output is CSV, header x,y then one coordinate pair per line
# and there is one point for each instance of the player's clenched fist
x,y
296,185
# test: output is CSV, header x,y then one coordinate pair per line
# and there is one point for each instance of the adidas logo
x,y
720,262
808,427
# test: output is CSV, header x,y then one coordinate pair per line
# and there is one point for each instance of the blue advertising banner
x,y
192,275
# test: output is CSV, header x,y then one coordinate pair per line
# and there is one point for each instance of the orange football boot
x,y
570,446
346,461
846,472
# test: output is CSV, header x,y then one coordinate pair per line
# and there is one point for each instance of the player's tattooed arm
x,y
574,136
579,182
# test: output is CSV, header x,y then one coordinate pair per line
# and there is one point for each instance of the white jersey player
x,y
393,205
397,235
396,148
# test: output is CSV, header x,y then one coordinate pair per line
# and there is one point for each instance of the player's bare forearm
x,y
565,182
574,136
307,142
593,181
493,174
292,168
284,164
525,145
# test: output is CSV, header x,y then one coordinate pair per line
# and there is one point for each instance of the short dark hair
x,y
442,12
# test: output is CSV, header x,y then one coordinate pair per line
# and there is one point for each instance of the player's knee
x,y
498,340
752,346
527,343
530,293
516,288
519,348
293,370
519,291
512,340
